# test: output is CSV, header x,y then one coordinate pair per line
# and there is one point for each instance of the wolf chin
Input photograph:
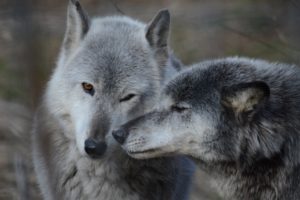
x,y
238,118
109,71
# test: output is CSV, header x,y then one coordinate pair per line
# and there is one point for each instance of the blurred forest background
x,y
31,32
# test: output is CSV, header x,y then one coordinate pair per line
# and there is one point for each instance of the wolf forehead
x,y
192,86
204,81
114,49
119,34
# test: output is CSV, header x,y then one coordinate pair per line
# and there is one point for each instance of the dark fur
x,y
262,153
240,121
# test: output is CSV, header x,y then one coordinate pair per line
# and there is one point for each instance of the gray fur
x,y
114,55
240,121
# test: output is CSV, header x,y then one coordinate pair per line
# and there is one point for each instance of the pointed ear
x,y
245,99
157,35
157,32
78,24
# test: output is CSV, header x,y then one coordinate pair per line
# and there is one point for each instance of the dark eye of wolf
x,y
127,97
88,88
178,109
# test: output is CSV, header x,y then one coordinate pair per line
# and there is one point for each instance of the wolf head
x,y
213,112
109,71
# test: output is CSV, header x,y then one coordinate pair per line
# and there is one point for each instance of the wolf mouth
x,y
144,151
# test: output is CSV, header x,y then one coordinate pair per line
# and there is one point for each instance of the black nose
x,y
120,135
94,148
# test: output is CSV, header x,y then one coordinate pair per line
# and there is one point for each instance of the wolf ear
x,y
245,99
157,32
157,35
78,24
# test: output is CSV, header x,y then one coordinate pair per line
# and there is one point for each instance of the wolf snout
x,y
120,135
94,148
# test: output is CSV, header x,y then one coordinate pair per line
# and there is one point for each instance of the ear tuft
x,y
245,98
77,4
157,32
83,17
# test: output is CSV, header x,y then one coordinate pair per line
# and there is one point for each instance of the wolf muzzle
x,y
94,148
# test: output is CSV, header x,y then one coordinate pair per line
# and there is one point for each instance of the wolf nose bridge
x,y
120,135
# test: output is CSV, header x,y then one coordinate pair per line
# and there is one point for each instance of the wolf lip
x,y
144,151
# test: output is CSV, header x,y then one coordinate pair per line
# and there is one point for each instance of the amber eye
x,y
87,87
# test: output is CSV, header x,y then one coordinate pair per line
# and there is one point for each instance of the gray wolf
x,y
109,71
238,118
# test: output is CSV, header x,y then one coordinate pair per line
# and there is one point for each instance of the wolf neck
x,y
99,178
253,182
105,178
116,176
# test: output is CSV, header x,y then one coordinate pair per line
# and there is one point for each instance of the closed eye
x,y
127,97
179,108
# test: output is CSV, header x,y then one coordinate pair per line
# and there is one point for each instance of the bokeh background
x,y
31,32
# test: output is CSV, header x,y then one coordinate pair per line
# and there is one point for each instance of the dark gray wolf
x,y
108,72
238,118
